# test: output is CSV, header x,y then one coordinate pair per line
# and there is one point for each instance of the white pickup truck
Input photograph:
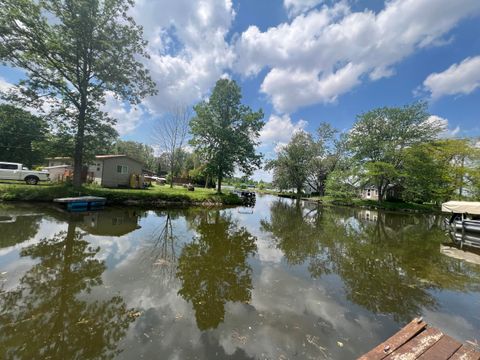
x,y
15,171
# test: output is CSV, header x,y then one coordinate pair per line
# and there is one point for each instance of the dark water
x,y
284,280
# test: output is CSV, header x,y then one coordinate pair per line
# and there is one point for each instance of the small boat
x,y
464,222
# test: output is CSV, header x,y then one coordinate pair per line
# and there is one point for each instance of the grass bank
x,y
155,195
371,204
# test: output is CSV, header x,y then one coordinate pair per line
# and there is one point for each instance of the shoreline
x,y
364,204
156,196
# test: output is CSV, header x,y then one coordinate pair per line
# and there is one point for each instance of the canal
x,y
282,280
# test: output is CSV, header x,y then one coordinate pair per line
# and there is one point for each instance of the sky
x,y
308,61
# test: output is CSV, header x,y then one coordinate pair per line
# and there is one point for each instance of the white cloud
x,y
279,129
5,85
295,7
187,45
461,78
443,125
128,118
325,53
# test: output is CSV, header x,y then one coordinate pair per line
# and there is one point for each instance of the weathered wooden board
x,y
443,349
397,340
466,352
416,346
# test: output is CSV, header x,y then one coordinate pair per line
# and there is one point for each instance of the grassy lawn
x,y
386,205
156,193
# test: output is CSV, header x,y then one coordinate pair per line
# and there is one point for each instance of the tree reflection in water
x,y
213,268
387,263
44,316
160,254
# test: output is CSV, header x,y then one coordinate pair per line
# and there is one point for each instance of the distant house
x,y
114,170
370,192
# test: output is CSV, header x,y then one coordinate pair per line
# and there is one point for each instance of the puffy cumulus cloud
x,y
128,118
443,126
187,46
327,52
279,130
295,7
461,78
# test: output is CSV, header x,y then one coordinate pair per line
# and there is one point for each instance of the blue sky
x,y
307,61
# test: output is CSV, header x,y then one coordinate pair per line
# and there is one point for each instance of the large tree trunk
x,y
299,192
219,182
172,164
79,144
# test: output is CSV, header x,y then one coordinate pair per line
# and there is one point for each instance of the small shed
x,y
59,160
114,170
59,173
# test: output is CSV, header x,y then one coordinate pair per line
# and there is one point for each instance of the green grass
x,y
154,194
385,205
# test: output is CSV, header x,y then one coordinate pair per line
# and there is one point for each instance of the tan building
x,y
106,170
60,160
114,170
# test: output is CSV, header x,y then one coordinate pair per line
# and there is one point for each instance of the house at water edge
x,y
112,171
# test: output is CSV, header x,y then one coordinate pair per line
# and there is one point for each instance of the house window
x,y
122,169
368,192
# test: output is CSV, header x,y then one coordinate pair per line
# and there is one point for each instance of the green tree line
x,y
389,148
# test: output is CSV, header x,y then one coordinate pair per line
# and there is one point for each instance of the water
x,y
284,280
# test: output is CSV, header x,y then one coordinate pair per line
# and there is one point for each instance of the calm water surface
x,y
284,280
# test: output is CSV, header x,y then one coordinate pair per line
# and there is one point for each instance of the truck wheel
x,y
31,180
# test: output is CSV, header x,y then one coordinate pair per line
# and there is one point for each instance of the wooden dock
x,y
417,340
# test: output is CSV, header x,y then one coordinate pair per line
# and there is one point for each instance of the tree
x,y
291,168
20,135
381,135
75,53
137,150
225,132
427,173
171,133
97,140
329,151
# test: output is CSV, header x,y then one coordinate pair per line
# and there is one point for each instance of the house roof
x,y
106,157
59,158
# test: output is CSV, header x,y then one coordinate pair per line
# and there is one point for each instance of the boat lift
x,y
464,222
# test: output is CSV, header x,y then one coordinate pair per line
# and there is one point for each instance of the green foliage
x,y
153,196
225,132
138,151
380,136
342,184
291,168
74,53
21,136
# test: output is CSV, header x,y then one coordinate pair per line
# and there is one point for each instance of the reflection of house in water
x,y
395,221
367,215
113,222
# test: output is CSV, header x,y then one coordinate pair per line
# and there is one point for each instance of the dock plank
x,y
466,352
387,347
443,349
416,346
